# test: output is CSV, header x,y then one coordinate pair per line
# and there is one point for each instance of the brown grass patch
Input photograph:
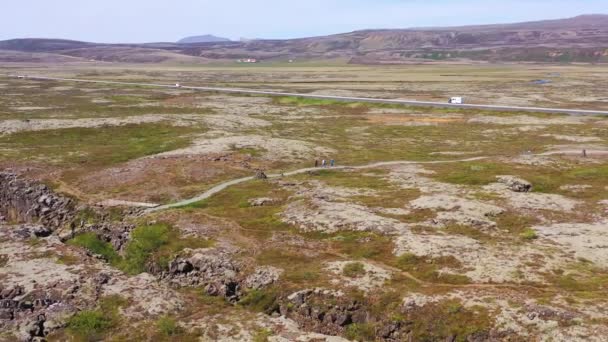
x,y
406,119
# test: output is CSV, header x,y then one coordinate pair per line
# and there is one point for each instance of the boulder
x,y
259,174
260,202
515,184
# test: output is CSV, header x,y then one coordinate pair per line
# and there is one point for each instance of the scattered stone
x,y
515,184
260,202
262,277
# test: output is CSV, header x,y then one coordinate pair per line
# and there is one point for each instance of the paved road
x,y
337,98
223,186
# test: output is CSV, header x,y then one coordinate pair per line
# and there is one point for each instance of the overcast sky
x,y
162,20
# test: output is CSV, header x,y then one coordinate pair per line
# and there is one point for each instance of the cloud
x,y
160,20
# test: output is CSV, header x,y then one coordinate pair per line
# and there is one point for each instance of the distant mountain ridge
x,y
579,39
207,38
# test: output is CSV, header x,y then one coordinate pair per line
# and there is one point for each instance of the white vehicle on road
x,y
456,100
177,85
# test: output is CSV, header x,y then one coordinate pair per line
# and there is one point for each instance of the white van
x,y
456,100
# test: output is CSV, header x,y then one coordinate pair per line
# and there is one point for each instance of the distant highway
x,y
335,98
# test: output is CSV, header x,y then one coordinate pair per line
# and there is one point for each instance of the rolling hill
x,y
208,38
579,39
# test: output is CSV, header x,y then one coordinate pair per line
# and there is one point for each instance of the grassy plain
x,y
98,142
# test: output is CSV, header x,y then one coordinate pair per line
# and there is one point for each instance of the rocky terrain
x,y
148,214
579,39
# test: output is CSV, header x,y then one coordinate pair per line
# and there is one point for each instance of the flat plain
x,y
439,224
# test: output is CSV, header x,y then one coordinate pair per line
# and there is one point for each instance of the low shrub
x,y
529,234
168,326
95,245
354,270
260,300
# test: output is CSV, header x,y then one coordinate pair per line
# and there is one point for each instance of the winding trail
x,y
223,186
220,187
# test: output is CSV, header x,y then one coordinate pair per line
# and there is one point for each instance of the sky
x,y
137,21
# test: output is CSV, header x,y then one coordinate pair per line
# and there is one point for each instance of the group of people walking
x,y
325,163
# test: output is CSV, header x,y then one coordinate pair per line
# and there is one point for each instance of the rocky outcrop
x,y
216,271
43,212
28,202
35,311
515,184
210,268
323,311
115,233
262,277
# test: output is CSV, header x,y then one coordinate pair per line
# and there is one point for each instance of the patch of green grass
x,y
100,146
590,173
264,300
176,244
95,245
299,268
360,332
168,327
515,223
427,269
93,324
303,102
149,245
354,270
252,151
89,324
398,198
233,203
87,216
449,319
582,279
155,244
362,245
528,234
468,231
387,303
262,335
127,99
477,173
193,206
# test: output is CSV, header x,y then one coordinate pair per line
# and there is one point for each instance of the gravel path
x,y
220,187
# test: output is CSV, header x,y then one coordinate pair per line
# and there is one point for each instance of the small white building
x,y
456,100
247,60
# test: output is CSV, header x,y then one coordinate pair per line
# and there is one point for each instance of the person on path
x,y
316,163
323,163
332,163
